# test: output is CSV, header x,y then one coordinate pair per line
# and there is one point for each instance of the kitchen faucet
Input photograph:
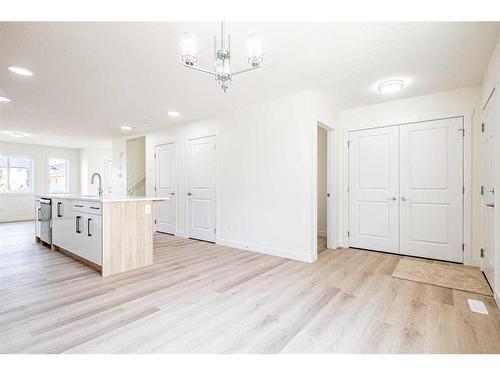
x,y
100,182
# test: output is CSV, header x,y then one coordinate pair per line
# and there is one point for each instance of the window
x,y
58,175
3,174
16,174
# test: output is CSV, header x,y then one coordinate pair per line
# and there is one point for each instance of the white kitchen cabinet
x,y
87,235
63,224
92,243
77,228
58,223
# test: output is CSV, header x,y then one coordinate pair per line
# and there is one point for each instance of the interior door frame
x,y
216,182
467,179
332,217
176,179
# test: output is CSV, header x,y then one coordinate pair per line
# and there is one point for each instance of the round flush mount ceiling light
x,y
3,99
125,127
15,134
390,86
20,71
173,113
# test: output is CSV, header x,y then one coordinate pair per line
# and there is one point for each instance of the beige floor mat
x,y
448,275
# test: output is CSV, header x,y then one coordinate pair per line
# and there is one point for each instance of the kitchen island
x,y
109,234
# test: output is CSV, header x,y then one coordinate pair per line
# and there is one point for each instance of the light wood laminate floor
x,y
202,298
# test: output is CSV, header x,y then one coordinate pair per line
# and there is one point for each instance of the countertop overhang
x,y
95,198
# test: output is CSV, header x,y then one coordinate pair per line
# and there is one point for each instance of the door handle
x,y
404,199
391,199
490,205
88,227
39,214
59,204
77,223
172,193
189,194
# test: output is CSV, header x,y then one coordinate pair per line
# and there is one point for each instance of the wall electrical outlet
x,y
147,209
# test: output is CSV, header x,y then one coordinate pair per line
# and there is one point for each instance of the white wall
x,y
21,206
322,180
464,101
491,81
93,160
266,154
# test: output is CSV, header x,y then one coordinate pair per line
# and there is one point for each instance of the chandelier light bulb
x,y
189,48
254,46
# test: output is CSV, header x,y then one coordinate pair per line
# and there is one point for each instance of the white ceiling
x,y
91,78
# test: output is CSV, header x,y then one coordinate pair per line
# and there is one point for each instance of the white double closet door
x,y
405,189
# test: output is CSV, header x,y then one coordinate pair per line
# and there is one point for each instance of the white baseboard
x,y
343,244
269,250
476,262
19,218
322,233
181,234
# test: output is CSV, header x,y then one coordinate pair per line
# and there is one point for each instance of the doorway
x,y
109,176
322,188
325,184
136,166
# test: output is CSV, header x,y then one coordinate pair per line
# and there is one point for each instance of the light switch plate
x,y
477,306
147,209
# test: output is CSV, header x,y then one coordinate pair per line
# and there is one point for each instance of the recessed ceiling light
x,y
15,134
127,128
3,99
173,113
20,71
390,86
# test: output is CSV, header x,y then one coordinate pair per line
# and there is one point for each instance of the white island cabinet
x,y
111,235
76,227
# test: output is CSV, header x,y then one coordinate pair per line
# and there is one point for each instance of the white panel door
x,y
431,180
373,189
201,188
165,186
488,191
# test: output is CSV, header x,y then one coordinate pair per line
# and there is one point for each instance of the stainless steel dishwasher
x,y
46,218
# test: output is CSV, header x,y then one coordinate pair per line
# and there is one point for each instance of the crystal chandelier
x,y
222,56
